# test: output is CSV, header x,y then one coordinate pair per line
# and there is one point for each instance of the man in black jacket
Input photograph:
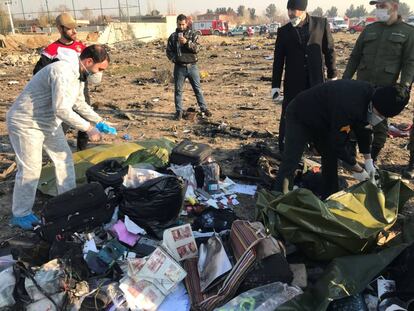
x,y
302,48
325,115
182,50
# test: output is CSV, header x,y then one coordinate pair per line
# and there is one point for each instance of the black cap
x,y
390,100
300,5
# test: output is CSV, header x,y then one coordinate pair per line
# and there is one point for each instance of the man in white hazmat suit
x,y
54,95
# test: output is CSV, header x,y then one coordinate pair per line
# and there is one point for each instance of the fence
x,y
27,15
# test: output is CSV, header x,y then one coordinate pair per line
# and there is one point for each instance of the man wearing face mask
x,y
302,48
383,52
54,95
325,115
62,49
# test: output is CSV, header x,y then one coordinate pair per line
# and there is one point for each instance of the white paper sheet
x,y
132,227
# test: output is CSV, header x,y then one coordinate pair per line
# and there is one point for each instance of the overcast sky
x,y
183,6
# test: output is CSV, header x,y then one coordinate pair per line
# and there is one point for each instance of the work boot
x,y
207,113
408,172
178,116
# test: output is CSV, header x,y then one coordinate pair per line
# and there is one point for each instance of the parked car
x,y
358,27
410,20
273,29
264,30
334,28
245,31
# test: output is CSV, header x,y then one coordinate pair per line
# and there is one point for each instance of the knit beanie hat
x,y
297,5
390,100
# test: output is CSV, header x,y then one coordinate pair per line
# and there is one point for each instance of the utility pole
x,y
120,12
127,7
139,9
48,12
74,11
24,16
8,3
102,16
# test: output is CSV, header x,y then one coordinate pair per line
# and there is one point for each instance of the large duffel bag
x,y
108,173
80,209
188,152
155,204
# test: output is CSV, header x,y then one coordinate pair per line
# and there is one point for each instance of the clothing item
x,y
297,136
382,53
66,20
390,101
300,5
25,222
336,107
181,73
53,95
27,144
380,132
183,54
58,51
300,53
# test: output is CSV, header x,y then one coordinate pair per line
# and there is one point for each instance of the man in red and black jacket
x,y
64,48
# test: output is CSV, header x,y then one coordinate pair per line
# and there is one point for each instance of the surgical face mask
x,y
372,117
95,78
295,21
383,15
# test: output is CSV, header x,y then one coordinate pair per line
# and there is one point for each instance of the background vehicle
x,y
273,29
241,31
338,24
359,27
212,27
410,20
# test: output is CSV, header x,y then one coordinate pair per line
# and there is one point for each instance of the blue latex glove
x,y
105,128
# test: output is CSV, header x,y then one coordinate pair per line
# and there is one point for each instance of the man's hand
x,y
182,40
275,94
93,134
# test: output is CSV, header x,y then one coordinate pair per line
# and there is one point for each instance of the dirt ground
x,y
137,95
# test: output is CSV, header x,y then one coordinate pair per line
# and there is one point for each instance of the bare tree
x,y
87,14
271,11
317,12
62,8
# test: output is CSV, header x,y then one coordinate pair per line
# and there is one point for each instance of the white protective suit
x,y
54,95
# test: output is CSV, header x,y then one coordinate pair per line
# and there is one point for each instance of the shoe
x,y
178,116
25,222
207,113
35,220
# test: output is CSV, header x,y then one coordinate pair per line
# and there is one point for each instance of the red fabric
x,y
51,51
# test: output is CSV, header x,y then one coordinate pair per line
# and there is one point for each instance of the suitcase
x,y
188,152
108,173
80,209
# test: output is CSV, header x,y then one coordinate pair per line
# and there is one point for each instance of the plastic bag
x,y
7,283
155,204
188,174
264,298
137,176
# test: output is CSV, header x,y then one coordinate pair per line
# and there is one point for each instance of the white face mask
x,y
383,15
95,78
295,21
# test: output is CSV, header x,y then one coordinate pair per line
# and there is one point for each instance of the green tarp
x,y
347,223
343,228
87,158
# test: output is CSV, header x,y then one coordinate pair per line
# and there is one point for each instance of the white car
x,y
410,20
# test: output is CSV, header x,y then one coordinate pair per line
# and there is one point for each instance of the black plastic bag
x,y
155,204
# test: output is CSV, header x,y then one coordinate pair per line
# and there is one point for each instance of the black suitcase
x,y
108,173
80,209
188,152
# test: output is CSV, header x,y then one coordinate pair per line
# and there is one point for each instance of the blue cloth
x,y
182,72
105,128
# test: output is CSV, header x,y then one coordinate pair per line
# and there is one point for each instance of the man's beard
x,y
67,37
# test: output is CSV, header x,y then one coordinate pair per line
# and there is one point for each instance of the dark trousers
x,y
282,126
181,73
380,137
297,136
